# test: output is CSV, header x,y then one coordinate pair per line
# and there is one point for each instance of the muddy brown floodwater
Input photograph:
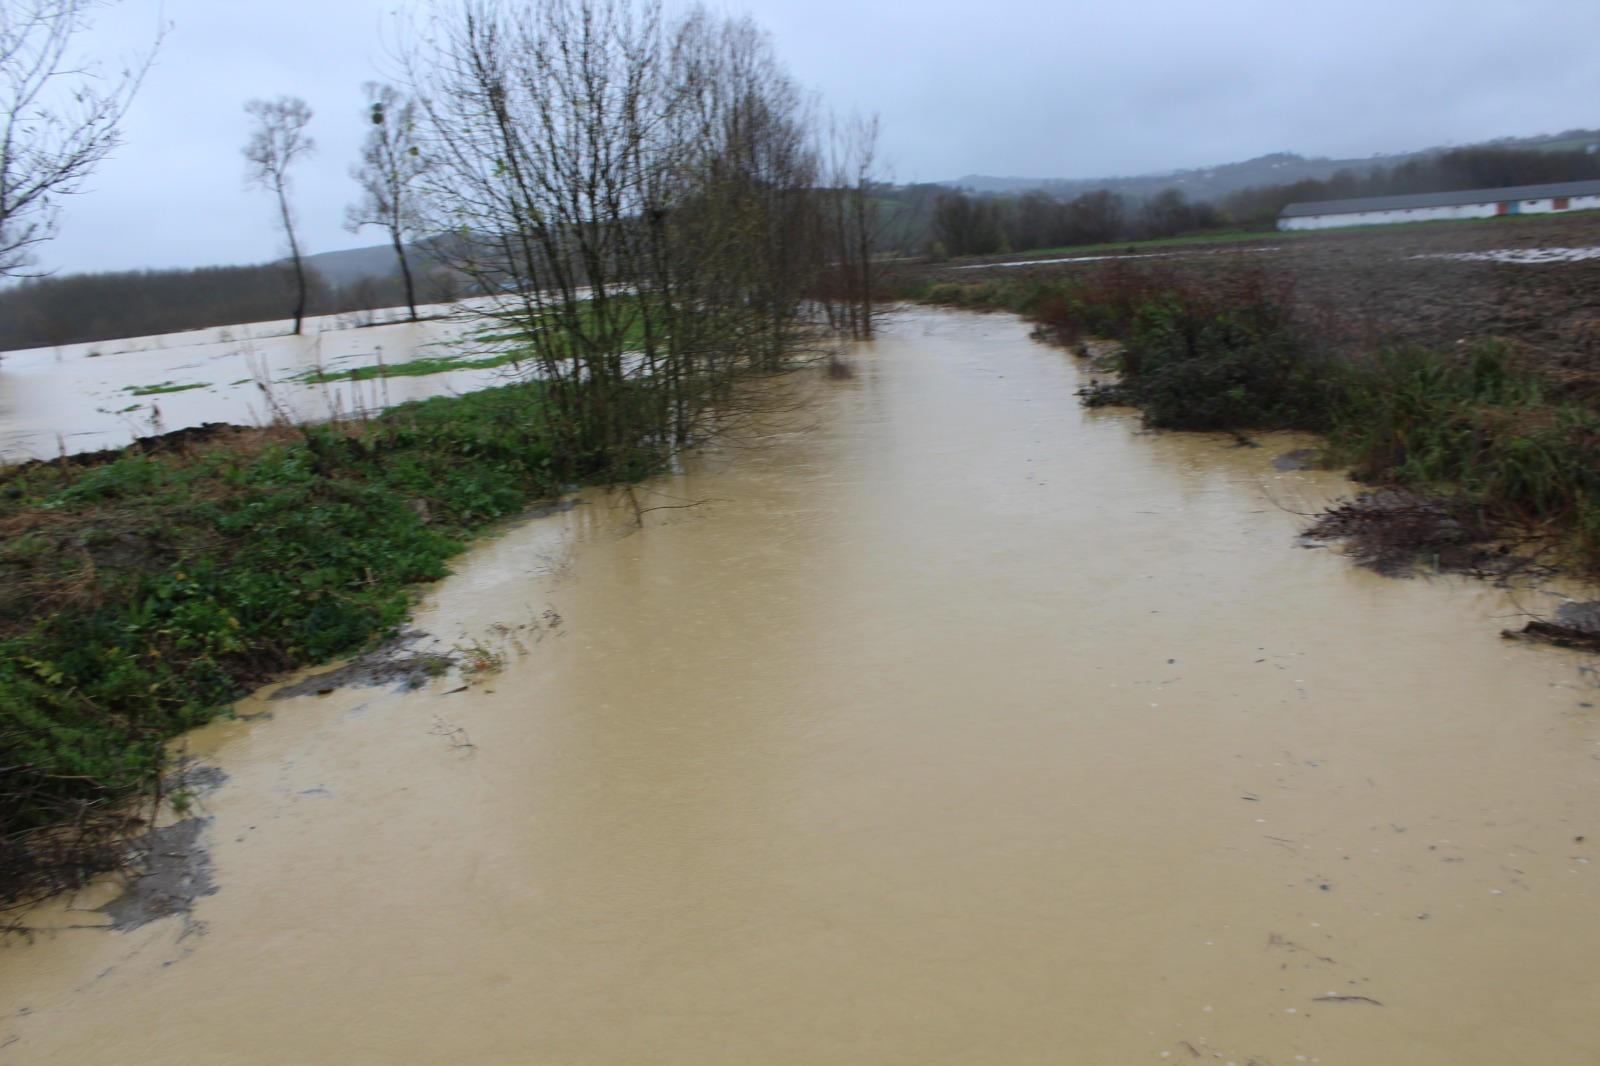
x,y
953,725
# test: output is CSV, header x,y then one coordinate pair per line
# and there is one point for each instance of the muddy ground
x,y
1375,285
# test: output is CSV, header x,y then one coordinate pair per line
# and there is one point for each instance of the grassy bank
x,y
1468,427
140,595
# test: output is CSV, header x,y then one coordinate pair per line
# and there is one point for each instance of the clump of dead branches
x,y
1398,532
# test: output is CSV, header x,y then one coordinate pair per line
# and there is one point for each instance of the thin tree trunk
x,y
405,272
299,263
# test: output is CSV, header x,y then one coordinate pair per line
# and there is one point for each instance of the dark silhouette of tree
x,y
277,141
67,308
392,168
1170,213
967,225
58,119
1098,217
853,227
1036,220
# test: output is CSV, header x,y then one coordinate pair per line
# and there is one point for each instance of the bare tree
x,y
277,141
392,167
853,227
640,198
58,120
967,224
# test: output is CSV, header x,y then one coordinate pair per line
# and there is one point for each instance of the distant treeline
x,y
92,307
973,224
967,223
1462,168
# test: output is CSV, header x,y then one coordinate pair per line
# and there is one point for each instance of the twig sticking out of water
x,y
455,734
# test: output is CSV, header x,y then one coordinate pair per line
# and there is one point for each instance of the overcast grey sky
x,y
1035,88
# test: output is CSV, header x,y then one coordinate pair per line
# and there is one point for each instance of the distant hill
x,y
354,265
428,257
1278,168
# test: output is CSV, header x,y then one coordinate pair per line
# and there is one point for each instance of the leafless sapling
x,y
278,139
393,165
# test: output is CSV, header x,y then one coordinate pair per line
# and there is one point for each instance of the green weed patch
x,y
163,387
411,368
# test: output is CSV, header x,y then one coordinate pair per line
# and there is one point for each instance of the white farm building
x,y
1471,203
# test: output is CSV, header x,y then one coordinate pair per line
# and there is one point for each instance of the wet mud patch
x,y
548,509
1299,459
396,664
1576,625
400,665
176,871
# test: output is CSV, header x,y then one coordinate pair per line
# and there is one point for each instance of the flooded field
x,y
104,394
943,722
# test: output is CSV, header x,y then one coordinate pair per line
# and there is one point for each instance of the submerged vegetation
x,y
160,388
1467,432
139,596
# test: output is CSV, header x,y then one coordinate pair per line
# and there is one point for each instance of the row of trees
x,y
656,206
619,181
967,223
66,309
964,223
651,206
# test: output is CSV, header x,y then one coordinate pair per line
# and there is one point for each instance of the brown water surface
x,y
953,724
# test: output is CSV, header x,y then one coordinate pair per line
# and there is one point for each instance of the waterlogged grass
x,y
509,348
139,597
1475,425
1467,424
422,367
162,387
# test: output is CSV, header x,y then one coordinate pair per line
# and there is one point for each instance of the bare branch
x,y
393,166
58,120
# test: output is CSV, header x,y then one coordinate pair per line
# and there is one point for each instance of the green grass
x,y
163,387
412,368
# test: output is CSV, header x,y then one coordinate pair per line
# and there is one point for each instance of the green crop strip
x,y
163,387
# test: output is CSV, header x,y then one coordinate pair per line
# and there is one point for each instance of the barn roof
x,y
1442,199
